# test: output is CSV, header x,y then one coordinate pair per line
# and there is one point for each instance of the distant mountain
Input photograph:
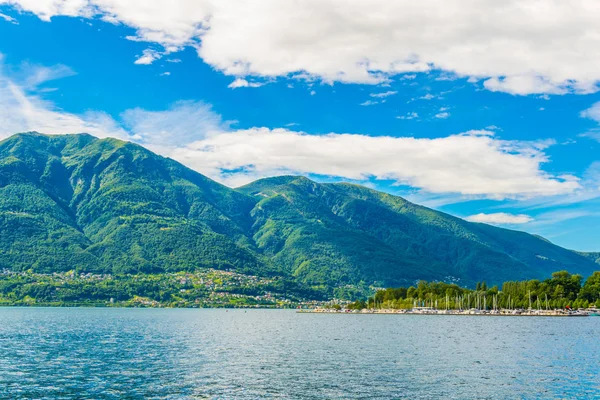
x,y
104,205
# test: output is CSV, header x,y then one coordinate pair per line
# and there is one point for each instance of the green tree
x,y
591,289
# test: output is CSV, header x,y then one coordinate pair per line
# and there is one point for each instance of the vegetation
x,y
332,234
111,208
562,290
203,288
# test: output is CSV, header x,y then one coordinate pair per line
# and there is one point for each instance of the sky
x,y
489,111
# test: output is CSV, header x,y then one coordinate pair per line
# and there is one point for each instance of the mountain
x,y
335,232
104,205
77,202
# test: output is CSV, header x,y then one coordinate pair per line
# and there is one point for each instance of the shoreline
x,y
464,313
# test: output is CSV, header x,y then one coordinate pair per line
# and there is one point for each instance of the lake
x,y
255,354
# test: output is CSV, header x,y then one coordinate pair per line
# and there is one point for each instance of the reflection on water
x,y
149,353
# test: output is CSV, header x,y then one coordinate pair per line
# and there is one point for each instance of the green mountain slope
x,y
360,233
75,201
102,205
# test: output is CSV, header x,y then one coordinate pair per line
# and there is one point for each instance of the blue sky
x,y
487,112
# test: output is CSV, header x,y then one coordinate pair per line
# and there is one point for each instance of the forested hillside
x,y
359,233
76,202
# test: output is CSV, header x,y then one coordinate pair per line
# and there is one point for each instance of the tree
x,y
591,289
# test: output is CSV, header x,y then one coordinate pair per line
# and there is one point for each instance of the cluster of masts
x,y
476,301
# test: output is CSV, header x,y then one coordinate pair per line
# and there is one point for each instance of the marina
x,y
469,312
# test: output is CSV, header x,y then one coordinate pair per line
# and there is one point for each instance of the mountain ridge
x,y
105,205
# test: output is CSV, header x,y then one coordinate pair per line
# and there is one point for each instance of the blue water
x,y
173,354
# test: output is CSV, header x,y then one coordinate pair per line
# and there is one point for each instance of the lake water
x,y
171,353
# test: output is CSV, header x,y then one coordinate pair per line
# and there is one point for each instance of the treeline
x,y
562,290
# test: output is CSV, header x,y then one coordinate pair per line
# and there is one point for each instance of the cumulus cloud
x,y
500,218
519,46
525,84
474,163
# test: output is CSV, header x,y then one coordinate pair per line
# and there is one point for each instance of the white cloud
x,y
148,57
34,75
590,191
500,218
240,82
525,84
166,73
22,110
8,18
593,134
593,112
46,9
184,122
520,47
442,115
474,163
384,94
